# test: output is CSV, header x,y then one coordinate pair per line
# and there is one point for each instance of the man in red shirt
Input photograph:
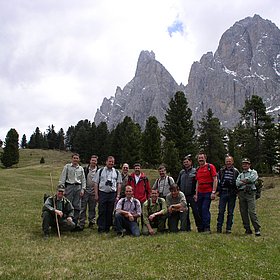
x,y
206,187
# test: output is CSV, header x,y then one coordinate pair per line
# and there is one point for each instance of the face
x,y
125,168
137,170
174,193
128,192
162,172
154,195
93,161
75,160
201,159
228,162
187,163
110,162
245,166
59,195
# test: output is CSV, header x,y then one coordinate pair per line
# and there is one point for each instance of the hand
x,y
213,196
195,197
152,216
82,192
96,197
117,198
130,217
151,231
58,212
170,209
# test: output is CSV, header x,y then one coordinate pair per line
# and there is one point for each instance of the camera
x,y
109,183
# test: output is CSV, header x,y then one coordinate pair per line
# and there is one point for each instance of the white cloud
x,y
59,59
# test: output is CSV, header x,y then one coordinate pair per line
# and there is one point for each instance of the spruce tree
x,y
10,155
23,142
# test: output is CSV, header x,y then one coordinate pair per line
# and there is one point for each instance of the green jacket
x,y
250,177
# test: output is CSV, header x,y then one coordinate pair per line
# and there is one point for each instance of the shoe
x,y
219,230
258,233
77,228
207,231
121,233
46,236
90,225
248,231
228,231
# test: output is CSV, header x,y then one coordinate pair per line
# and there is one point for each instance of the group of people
x,y
125,199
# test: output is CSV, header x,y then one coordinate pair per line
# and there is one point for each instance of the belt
x,y
75,184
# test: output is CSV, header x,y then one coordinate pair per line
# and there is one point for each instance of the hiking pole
x,y
54,205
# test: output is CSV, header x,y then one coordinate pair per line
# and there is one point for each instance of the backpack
x,y
149,205
100,172
135,203
259,185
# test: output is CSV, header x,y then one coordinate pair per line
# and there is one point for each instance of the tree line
x,y
256,136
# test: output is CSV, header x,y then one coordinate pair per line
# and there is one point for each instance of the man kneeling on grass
x,y
177,209
128,209
57,205
154,214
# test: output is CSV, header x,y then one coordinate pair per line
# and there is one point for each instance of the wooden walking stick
x,y
54,205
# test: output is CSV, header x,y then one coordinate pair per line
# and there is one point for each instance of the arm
x,y
63,176
215,183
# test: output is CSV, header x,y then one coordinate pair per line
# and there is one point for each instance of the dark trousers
x,y
173,221
227,199
87,201
203,203
50,221
124,223
193,205
105,211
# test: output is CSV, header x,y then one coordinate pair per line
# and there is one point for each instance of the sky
x,y
60,58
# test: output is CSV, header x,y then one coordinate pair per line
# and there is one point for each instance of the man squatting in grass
x,y
73,180
57,205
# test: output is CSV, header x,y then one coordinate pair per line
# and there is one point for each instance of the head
x,y
93,161
75,159
246,164
110,162
162,171
201,158
154,195
125,168
229,161
60,192
174,189
128,192
137,168
188,162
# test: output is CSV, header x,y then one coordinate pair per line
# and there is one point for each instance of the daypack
x,y
135,203
259,185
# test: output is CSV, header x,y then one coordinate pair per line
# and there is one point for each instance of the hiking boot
x,y
248,231
219,230
258,233
228,231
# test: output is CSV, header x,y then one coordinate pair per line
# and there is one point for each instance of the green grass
x,y
86,255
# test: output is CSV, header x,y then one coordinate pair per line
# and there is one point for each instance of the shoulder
x,y
137,201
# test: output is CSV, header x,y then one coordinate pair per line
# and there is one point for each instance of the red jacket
x,y
142,189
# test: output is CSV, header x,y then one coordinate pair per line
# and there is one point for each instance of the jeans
x,y
192,204
203,203
124,223
105,211
226,199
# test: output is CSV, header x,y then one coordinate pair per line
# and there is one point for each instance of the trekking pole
x,y
54,205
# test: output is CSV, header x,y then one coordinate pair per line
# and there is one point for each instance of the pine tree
x,y
178,125
151,143
60,143
10,155
211,139
23,142
102,142
51,137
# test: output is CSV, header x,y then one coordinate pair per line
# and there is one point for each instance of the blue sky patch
x,y
177,26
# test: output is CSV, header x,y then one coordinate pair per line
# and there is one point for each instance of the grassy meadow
x,y
24,254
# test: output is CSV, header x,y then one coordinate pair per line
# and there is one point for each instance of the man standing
x,y
107,186
154,214
140,184
177,209
227,190
247,197
125,169
59,206
128,210
88,200
206,187
163,183
73,179
187,183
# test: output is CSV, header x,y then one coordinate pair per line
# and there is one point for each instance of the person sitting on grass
x,y
154,214
57,205
177,209
128,209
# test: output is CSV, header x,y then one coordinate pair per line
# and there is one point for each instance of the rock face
x,y
246,63
147,94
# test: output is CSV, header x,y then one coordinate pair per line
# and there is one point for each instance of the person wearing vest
x,y
187,183
107,187
154,214
88,200
128,210
245,183
206,186
73,179
227,192
163,183
57,205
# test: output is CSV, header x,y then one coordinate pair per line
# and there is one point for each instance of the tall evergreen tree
x,y
23,143
51,137
102,142
178,125
60,143
10,155
151,142
37,140
211,139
